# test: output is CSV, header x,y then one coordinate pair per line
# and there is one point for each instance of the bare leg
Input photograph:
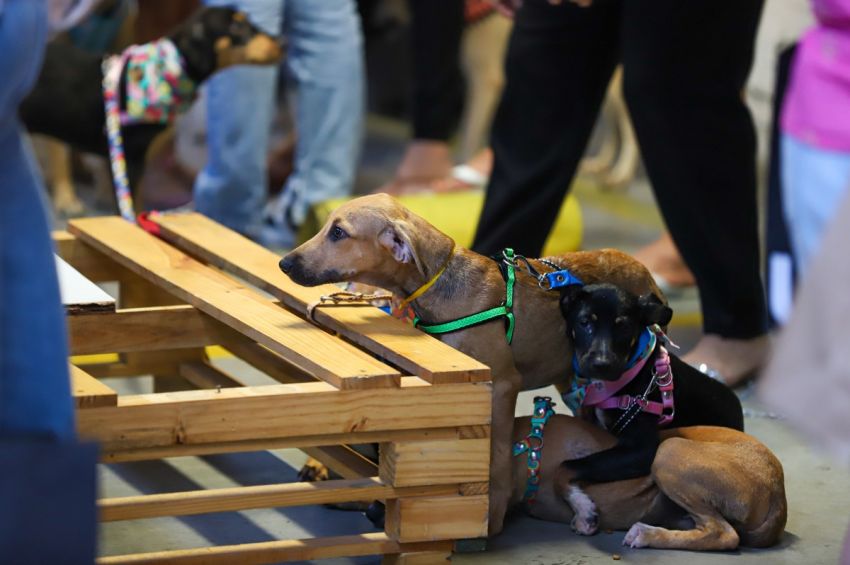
x,y
64,196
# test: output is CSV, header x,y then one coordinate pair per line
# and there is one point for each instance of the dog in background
x,y
710,488
376,241
67,102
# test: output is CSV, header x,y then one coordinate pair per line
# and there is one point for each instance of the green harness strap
x,y
504,310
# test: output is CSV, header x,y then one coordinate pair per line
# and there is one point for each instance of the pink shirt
x,y
817,104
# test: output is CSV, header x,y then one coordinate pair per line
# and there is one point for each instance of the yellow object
x,y
424,288
456,214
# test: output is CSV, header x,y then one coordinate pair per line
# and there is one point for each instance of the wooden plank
x,y
267,361
437,518
418,558
117,454
280,411
401,344
79,294
92,264
343,460
263,496
435,462
145,329
203,375
278,551
225,299
88,392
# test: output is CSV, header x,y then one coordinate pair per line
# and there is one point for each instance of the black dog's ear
x,y
569,294
653,311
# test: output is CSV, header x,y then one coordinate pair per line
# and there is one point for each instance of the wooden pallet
x,y
360,377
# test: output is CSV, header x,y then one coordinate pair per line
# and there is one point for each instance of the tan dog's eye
x,y
337,233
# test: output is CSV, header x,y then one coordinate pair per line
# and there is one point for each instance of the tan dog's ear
x,y
396,239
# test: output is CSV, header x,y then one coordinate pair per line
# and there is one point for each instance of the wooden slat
x,y
343,460
266,361
277,551
437,518
264,496
399,343
203,375
418,558
145,329
88,392
93,264
115,454
435,462
279,411
246,311
79,294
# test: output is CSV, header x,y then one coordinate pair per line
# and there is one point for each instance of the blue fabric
x,y
35,395
325,61
814,182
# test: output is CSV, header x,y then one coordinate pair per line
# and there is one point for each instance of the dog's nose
x,y
286,264
601,363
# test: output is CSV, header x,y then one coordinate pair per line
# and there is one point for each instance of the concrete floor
x,y
818,493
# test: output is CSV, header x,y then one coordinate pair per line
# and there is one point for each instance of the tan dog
x,y
377,241
715,488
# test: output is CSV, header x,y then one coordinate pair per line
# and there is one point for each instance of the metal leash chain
x,y
547,281
347,298
635,408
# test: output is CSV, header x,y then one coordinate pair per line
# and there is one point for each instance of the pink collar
x,y
600,394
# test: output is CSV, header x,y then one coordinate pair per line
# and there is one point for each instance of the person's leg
x,y
325,57
814,182
559,61
231,188
35,390
685,66
435,35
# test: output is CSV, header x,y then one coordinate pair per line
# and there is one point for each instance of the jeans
x,y
814,182
35,394
325,61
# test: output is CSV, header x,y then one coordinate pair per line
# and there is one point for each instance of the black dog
x,y
67,101
606,324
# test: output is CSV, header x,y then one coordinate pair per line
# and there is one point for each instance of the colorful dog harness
x,y
587,393
533,445
157,88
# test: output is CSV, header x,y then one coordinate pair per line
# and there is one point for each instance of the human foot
x,y
734,360
425,162
663,260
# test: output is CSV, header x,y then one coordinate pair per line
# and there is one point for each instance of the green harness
x,y
504,310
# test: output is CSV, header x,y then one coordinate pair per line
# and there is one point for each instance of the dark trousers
x,y
685,65
436,30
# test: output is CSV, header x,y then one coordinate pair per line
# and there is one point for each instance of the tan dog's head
x,y
372,239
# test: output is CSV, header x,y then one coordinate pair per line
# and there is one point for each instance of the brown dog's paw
x,y
313,471
586,520
638,534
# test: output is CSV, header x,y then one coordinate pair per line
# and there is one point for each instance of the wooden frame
x,y
360,377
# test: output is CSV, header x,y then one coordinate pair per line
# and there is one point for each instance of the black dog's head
x,y
604,323
217,37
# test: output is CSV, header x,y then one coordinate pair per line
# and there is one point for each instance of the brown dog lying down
x,y
375,240
714,488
